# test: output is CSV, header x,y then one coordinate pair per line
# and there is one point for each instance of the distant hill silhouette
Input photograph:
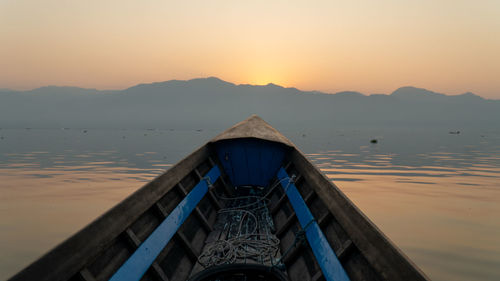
x,y
211,102
418,94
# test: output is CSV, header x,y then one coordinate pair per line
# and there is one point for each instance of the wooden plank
x,y
68,258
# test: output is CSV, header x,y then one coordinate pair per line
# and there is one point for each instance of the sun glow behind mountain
x,y
367,46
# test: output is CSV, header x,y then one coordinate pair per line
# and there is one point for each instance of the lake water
x,y
435,194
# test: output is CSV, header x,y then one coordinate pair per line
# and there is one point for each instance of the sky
x,y
448,46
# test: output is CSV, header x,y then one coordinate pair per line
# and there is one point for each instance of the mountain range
x,y
214,103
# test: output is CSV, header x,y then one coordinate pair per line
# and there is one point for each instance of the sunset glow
x,y
367,46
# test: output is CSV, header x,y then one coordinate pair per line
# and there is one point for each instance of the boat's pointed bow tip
x,y
253,127
254,117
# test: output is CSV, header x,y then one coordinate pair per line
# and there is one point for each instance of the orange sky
x,y
449,46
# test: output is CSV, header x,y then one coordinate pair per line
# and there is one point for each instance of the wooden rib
x,y
293,254
317,275
210,193
132,237
276,207
214,200
342,253
309,196
287,224
227,187
212,162
155,267
324,219
200,177
197,211
298,249
161,209
86,275
192,253
159,272
292,217
346,247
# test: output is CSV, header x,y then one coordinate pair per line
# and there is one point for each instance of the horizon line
x,y
241,84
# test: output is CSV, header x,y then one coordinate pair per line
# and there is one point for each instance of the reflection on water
x,y
54,182
437,196
444,214
40,208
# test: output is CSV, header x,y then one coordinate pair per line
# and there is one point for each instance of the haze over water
x,y
436,195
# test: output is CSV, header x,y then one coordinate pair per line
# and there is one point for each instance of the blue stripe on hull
x,y
137,264
327,260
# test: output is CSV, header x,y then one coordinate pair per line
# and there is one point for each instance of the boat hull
x,y
106,246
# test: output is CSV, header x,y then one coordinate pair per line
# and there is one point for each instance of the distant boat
x,y
247,205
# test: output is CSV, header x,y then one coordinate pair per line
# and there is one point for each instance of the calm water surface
x,y
436,195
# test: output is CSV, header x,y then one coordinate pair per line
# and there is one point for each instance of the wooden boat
x,y
248,205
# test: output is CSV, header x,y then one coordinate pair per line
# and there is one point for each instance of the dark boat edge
x,y
67,258
362,231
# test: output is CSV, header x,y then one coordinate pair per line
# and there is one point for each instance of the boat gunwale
x,y
73,254
381,253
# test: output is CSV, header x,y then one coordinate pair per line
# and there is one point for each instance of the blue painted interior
x,y
327,260
138,263
250,161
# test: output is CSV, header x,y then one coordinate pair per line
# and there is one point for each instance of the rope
x,y
241,248
246,228
209,183
245,234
